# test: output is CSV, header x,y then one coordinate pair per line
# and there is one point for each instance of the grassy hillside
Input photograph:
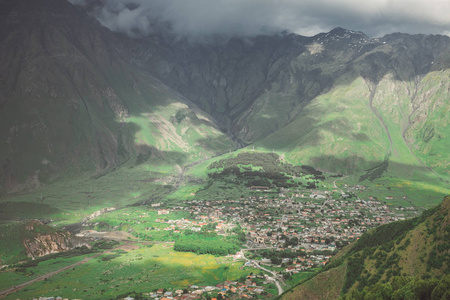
x,y
355,126
397,254
372,131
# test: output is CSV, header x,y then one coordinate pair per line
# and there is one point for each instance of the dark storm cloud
x,y
203,18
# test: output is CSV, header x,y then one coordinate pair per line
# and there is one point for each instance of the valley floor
x,y
287,235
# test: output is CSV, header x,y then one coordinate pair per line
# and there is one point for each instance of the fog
x,y
200,19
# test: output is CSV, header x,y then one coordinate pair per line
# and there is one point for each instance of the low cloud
x,y
205,18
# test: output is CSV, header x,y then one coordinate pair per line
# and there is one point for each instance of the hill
x,y
403,257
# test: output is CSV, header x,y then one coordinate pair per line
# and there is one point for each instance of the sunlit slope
x,y
337,131
362,125
429,128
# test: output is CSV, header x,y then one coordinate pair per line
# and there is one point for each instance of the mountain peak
x,y
342,32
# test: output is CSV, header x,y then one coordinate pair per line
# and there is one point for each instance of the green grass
x,y
72,199
141,270
13,278
338,131
405,192
327,127
138,220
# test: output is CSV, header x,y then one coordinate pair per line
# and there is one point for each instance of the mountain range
x,y
94,121
77,99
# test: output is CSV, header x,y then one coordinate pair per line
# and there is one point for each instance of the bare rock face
x,y
47,240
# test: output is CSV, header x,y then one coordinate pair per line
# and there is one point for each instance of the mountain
x,y
402,258
78,99
340,100
71,104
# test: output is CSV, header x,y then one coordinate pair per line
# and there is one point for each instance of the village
x,y
303,230
286,234
315,221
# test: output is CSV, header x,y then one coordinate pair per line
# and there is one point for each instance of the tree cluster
x,y
400,287
205,245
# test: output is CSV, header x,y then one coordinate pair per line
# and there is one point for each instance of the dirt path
x,y
127,246
46,276
336,187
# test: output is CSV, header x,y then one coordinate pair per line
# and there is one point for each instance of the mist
x,y
199,19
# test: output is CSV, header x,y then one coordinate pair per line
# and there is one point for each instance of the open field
x,y
141,270
20,275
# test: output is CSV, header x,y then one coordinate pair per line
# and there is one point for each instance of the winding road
x,y
274,278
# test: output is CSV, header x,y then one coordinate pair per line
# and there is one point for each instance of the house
x,y
259,188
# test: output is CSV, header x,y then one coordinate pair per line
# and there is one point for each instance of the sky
x,y
204,18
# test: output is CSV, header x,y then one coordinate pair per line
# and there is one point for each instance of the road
x,y
274,278
48,275
336,187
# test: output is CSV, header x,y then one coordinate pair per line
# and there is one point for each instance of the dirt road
x,y
127,246
48,275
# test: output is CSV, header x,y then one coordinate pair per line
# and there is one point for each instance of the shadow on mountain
x,y
287,64
149,154
309,129
62,109
66,115
216,145
372,170
25,210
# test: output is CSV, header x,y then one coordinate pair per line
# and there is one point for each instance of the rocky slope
x,y
32,239
413,249
46,241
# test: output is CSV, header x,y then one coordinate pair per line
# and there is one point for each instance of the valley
x,y
292,231
247,167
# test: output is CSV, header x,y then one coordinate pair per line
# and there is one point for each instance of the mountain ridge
x,y
284,92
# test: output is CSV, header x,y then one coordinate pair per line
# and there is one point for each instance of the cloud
x,y
204,18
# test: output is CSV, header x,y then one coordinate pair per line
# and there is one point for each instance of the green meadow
x,y
22,274
145,269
